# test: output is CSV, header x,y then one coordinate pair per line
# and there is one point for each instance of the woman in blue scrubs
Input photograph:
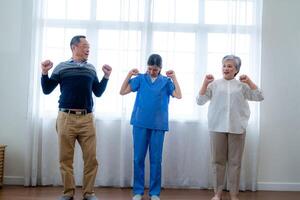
x,y
150,120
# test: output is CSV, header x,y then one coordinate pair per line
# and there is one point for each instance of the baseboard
x,y
271,186
13,180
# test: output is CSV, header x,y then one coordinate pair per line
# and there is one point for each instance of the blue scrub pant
x,y
142,138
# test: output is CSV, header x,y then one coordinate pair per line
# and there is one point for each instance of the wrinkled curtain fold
x,y
126,43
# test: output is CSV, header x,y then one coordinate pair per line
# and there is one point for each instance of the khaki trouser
x,y
227,148
71,127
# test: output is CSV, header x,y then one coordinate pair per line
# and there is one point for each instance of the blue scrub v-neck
x,y
151,103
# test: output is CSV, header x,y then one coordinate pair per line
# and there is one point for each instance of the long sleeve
x,y
252,95
48,84
202,99
99,87
229,110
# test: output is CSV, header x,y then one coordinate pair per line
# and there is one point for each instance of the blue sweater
x,y
77,82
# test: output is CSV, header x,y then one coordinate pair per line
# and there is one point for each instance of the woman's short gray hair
x,y
236,60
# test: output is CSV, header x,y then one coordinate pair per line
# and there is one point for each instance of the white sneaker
x,y
154,197
137,197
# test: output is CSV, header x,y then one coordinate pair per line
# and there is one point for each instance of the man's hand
x,y
46,66
107,70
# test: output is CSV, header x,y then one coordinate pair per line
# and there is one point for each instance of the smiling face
x,y
229,69
81,50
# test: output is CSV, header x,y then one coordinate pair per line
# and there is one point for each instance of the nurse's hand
x,y
208,79
177,92
170,73
133,72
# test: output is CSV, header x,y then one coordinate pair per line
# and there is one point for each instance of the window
x,y
192,36
116,10
175,11
229,12
68,9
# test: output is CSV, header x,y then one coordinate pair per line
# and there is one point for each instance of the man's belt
x,y
75,111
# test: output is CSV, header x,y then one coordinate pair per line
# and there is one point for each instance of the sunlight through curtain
x,y
192,36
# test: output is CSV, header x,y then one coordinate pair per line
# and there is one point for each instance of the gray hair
x,y
236,59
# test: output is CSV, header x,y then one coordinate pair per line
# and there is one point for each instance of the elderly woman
x,y
228,116
150,121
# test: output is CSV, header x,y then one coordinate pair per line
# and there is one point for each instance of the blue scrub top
x,y
152,101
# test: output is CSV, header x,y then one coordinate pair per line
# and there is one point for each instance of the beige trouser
x,y
227,148
71,127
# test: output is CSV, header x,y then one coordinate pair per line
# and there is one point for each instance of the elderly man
x,y
75,121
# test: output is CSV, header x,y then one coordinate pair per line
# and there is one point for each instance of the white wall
x,y
279,161
14,58
279,164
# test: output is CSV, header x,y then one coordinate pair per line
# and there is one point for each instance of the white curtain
x,y
34,117
191,35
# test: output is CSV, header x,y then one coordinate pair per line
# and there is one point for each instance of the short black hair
x,y
155,59
76,39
